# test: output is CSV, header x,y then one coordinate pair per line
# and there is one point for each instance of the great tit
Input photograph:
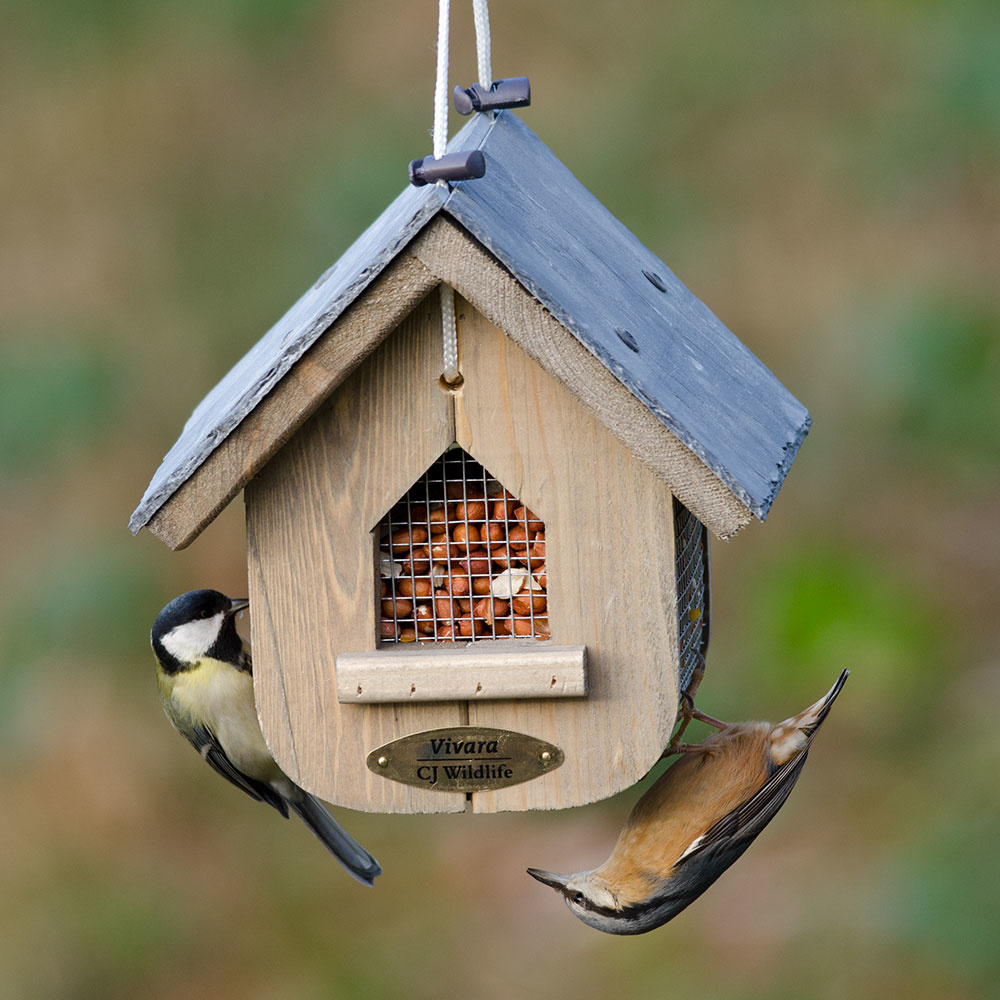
x,y
204,673
696,820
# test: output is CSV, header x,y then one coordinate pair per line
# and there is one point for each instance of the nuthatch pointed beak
x,y
549,878
236,605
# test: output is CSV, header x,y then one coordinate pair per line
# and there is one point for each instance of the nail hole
x,y
479,688
553,684
627,339
359,689
413,688
655,280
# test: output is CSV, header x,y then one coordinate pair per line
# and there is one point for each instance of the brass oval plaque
x,y
465,759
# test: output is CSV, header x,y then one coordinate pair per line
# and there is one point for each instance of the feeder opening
x,y
691,547
461,559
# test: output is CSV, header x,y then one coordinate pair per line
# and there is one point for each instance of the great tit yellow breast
x,y
217,695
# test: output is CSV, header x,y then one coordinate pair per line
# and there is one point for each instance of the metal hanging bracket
x,y
514,92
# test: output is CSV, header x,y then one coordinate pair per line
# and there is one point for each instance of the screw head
x,y
383,761
546,756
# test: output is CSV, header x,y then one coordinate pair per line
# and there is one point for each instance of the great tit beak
x,y
549,878
236,605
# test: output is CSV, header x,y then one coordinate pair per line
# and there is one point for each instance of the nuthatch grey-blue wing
x,y
204,673
696,820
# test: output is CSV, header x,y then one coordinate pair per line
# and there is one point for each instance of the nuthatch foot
x,y
697,819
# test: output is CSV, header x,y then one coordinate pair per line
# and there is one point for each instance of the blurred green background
x,y
824,176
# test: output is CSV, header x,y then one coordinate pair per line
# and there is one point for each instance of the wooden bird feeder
x,y
524,552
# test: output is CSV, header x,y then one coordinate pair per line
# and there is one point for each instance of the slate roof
x,y
590,272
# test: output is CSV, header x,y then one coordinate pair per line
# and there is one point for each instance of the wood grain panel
x,y
310,513
477,672
610,561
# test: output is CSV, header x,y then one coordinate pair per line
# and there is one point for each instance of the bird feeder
x,y
488,594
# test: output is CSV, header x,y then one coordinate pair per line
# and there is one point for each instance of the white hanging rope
x,y
441,83
481,15
450,330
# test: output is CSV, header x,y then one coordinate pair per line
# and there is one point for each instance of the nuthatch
x,y
697,819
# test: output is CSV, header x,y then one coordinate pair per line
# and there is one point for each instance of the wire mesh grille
x,y
461,559
693,597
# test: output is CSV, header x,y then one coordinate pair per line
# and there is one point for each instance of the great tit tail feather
x,y
336,839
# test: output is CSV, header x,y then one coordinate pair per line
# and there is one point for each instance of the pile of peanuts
x,y
470,567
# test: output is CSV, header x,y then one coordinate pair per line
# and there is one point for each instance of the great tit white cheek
x,y
192,640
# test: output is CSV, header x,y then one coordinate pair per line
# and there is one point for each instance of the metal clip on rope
x,y
461,166
514,92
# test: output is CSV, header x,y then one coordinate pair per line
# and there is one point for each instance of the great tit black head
x,y
196,625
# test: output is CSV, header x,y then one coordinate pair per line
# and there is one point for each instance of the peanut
x,y
418,562
478,563
531,521
470,626
494,532
467,533
472,510
424,616
417,587
444,604
401,607
441,548
403,539
537,553
490,608
528,604
517,535
503,510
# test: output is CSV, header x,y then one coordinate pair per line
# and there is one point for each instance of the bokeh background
x,y
824,176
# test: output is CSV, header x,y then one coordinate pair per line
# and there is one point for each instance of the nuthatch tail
x,y
696,820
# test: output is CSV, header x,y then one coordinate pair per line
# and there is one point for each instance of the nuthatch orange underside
x,y
696,820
